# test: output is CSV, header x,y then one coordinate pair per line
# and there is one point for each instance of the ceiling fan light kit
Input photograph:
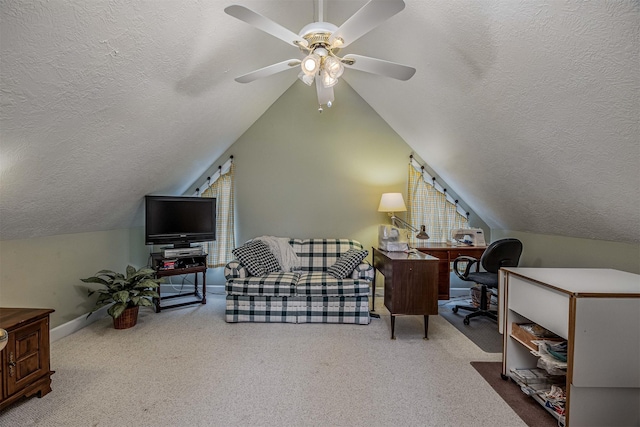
x,y
320,42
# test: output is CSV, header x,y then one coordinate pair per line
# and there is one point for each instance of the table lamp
x,y
392,203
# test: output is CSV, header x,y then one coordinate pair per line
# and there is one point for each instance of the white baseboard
x,y
176,287
76,324
80,322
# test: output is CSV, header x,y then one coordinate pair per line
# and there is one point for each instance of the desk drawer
x,y
545,306
472,252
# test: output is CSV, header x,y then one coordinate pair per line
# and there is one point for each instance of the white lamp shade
x,y
392,202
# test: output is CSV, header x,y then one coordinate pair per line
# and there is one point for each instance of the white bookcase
x,y
598,312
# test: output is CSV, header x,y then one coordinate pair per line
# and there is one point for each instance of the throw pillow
x,y
245,255
264,256
347,263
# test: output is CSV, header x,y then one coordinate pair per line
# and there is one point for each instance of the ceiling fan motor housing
x,y
317,34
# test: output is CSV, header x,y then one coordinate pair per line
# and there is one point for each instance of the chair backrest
x,y
501,253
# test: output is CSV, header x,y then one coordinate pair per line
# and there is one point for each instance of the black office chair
x,y
501,253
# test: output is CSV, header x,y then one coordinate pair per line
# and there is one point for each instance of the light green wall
x,y
303,174
541,250
45,272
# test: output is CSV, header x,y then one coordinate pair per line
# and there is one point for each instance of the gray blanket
x,y
282,250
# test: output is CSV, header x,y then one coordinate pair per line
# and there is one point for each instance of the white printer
x,y
468,236
391,239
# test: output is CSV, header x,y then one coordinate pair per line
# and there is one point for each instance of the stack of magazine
x,y
533,381
545,388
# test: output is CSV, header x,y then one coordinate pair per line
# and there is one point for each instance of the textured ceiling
x,y
529,109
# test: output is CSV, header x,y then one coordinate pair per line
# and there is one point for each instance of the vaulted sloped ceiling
x,y
530,110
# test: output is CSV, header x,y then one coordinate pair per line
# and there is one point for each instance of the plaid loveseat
x,y
309,294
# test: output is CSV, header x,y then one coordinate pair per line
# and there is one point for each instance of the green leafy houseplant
x,y
126,291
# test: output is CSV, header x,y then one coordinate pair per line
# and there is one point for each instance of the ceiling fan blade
x,y
378,66
325,94
267,71
366,19
265,24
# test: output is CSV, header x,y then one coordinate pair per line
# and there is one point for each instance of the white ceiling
x,y
529,109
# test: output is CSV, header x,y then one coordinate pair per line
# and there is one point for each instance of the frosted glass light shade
x,y
307,79
333,67
310,64
392,202
327,80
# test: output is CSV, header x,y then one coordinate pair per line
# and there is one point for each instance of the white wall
x,y
45,272
540,250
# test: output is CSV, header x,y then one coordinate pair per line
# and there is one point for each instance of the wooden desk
x,y
446,254
410,284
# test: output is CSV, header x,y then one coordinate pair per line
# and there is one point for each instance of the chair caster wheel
x,y
465,321
454,309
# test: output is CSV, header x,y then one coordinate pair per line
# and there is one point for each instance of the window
x,y
432,208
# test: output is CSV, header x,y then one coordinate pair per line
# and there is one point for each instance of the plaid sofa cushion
x,y
335,310
317,309
347,262
323,284
320,254
243,308
272,284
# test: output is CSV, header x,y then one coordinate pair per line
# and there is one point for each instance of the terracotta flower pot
x,y
127,319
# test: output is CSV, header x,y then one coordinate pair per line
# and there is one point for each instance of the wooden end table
x,y
193,264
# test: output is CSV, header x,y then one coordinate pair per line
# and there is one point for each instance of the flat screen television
x,y
179,221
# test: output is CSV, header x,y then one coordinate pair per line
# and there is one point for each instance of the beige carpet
x,y
187,367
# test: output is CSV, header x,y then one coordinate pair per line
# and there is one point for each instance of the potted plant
x,y
127,292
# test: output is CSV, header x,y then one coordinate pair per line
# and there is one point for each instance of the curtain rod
x,y
214,177
438,186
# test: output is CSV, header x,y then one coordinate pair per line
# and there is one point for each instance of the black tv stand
x,y
187,264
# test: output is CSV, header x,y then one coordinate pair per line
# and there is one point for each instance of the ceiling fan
x,y
321,42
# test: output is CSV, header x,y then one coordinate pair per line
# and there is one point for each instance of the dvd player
x,y
176,252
